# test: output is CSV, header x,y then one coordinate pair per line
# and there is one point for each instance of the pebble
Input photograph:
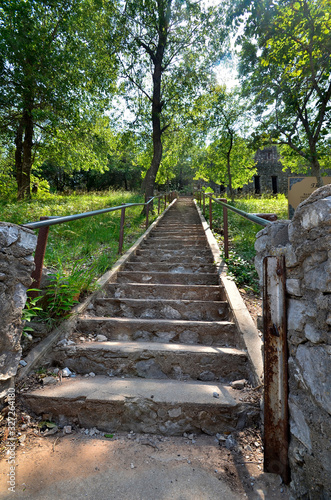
x,y
66,372
132,466
82,339
238,384
92,374
67,429
49,381
216,395
23,363
62,342
101,338
71,342
231,443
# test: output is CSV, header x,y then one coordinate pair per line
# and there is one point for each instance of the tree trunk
x,y
18,158
164,9
316,168
24,173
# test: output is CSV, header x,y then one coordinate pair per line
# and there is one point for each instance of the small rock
x,y
216,395
101,338
191,436
82,339
71,342
62,342
23,363
50,432
231,443
67,429
49,381
22,438
55,370
66,372
248,448
87,431
132,466
220,437
86,375
238,384
91,374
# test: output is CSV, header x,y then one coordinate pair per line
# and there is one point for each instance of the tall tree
x,y
167,52
285,68
224,118
53,63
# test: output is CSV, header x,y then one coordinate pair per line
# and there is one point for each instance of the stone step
x,y
161,309
175,292
159,232
160,256
167,278
166,243
168,407
154,360
169,267
176,237
210,333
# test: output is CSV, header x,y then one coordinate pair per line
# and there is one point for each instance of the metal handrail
x,y
45,222
247,215
68,218
261,219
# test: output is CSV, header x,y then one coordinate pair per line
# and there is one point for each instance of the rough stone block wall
x,y
306,243
17,245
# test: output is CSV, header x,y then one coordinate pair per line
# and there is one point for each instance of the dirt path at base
x,y
140,467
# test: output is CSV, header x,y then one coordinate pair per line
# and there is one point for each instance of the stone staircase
x,y
157,350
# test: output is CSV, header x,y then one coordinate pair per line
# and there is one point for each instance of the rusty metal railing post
x,y
210,213
39,257
276,421
121,238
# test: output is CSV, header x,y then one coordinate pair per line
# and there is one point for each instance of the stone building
x,y
270,177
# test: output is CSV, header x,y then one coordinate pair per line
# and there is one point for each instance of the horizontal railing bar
x,y
68,218
251,217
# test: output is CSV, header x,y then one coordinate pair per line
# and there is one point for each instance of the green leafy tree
x,y
285,69
166,56
54,62
228,159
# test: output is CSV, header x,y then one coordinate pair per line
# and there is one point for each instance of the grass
x,y
80,251
242,234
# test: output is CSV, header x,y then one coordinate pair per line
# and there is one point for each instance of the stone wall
x,y
306,243
16,264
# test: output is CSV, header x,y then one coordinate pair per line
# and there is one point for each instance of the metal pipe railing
x,y
261,219
45,222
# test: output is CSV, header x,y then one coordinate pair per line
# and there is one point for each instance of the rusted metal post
x,y
210,213
204,204
200,199
276,425
121,239
225,229
147,215
39,257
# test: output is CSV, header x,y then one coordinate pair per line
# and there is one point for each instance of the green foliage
x,y
80,251
228,159
242,234
243,271
30,311
285,68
